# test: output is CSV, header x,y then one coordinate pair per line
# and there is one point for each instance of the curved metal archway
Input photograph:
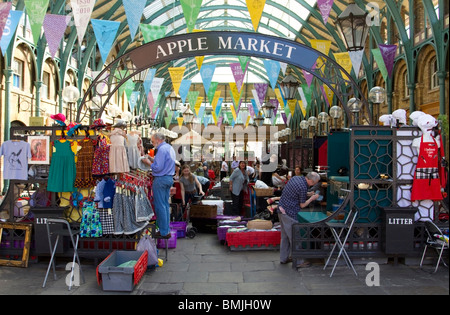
x,y
223,43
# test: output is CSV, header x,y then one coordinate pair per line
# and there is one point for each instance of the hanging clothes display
x,y
131,207
100,164
62,171
90,223
17,153
133,151
85,157
118,160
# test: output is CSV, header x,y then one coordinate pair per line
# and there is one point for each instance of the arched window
x,y
434,82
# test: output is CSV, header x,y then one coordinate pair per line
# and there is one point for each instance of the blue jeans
x,y
161,193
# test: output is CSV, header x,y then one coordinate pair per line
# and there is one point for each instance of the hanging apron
x,y
426,184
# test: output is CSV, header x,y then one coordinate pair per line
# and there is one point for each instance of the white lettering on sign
x,y
403,221
181,46
252,44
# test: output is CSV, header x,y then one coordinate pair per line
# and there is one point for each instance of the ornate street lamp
x,y
377,95
70,95
173,101
354,105
335,113
140,77
352,27
289,85
188,115
323,119
259,120
312,122
304,126
268,109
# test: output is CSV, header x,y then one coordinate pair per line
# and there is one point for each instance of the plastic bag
x,y
147,243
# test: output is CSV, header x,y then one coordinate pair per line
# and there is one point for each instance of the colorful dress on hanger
x,y
85,157
100,164
426,183
90,223
62,171
118,160
133,151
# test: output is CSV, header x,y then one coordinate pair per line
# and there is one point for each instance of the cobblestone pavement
x,y
204,266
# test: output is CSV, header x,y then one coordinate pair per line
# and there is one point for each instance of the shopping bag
x,y
147,243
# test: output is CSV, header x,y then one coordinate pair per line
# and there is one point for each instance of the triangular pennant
x,y
292,104
133,11
308,76
134,98
280,98
255,8
192,97
322,45
307,94
356,58
273,71
148,80
155,88
212,91
198,105
325,9
343,59
152,32
206,73
380,62
261,91
176,75
82,11
191,9
283,66
243,60
388,54
184,89
36,10
54,28
5,8
238,74
199,61
10,29
180,121
105,34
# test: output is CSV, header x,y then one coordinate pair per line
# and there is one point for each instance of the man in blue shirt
x,y
163,169
293,198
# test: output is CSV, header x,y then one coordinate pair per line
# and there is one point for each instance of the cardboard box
x,y
203,211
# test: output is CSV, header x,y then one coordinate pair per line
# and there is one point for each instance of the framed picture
x,y
40,149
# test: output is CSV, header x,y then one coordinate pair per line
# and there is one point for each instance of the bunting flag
x,y
255,8
5,8
155,88
82,11
283,66
134,98
105,33
356,58
388,54
256,98
283,115
238,74
323,46
325,9
380,62
308,76
292,104
304,104
280,98
152,32
192,97
343,59
302,108
328,94
180,121
212,91
236,96
307,93
36,10
184,89
9,29
199,61
215,100
133,11
273,71
261,90
54,28
206,73
150,101
244,60
176,75
191,9
148,80
198,105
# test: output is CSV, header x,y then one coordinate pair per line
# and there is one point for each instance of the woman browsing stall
x,y
238,184
188,182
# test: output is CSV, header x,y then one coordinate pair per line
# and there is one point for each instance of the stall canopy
x,y
191,138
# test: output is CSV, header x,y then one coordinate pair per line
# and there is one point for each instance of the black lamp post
x,y
352,27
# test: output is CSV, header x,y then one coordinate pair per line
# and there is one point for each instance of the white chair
x,y
63,230
339,230
433,240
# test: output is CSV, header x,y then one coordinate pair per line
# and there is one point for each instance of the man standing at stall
x,y
163,170
293,198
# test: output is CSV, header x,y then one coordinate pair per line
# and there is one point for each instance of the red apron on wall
x,y
426,184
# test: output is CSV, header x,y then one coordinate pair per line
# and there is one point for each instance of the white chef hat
x,y
400,115
415,116
385,119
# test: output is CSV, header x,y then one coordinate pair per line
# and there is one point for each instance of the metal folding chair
x,y
434,241
64,230
339,230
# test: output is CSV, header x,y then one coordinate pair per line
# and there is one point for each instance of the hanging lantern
x,y
352,27
188,115
173,101
289,85
140,77
268,109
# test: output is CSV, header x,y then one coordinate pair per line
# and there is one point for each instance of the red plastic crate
x,y
253,239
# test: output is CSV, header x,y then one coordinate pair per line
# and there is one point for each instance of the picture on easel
x,y
40,149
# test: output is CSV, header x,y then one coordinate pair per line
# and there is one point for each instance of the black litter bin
x,y
40,230
398,230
